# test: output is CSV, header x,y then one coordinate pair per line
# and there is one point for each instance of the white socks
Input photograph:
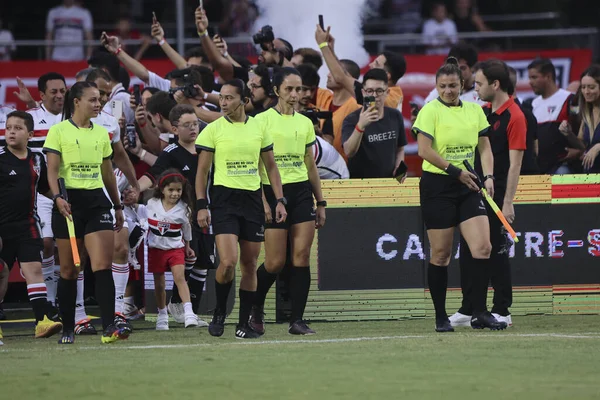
x,y
79,308
120,273
48,272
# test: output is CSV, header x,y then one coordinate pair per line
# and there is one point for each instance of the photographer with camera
x,y
274,51
373,137
192,87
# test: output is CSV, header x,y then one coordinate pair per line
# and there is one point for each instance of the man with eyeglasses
x,y
373,137
262,95
182,156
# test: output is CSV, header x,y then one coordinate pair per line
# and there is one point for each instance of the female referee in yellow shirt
x,y
448,132
293,136
236,143
79,151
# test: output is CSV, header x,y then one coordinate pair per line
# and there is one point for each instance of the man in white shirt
x,y
110,64
439,32
68,23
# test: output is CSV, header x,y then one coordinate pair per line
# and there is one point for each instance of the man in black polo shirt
x,y
374,138
182,155
508,130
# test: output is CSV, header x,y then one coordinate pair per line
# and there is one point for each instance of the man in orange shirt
x,y
342,103
393,64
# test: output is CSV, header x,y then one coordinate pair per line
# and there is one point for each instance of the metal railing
x,y
591,39
530,17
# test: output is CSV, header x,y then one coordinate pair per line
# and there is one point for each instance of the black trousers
x,y
500,275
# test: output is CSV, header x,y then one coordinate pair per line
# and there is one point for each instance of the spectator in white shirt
x,y
68,23
8,45
439,32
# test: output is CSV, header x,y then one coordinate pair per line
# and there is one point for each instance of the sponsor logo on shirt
x,y
382,137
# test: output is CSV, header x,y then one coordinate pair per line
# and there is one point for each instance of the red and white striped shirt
x,y
166,229
43,120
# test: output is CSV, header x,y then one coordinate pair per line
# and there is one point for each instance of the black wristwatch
x,y
56,196
283,201
118,207
485,178
322,203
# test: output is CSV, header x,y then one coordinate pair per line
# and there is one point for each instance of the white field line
x,y
7,349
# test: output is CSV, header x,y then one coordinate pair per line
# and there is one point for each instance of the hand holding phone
x,y
137,94
401,172
368,102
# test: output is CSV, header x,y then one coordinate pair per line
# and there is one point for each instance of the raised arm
x,y
325,43
111,43
219,63
159,34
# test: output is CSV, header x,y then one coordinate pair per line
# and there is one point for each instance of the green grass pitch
x,y
541,357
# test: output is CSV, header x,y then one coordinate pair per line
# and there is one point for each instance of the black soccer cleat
x,y
443,325
300,328
257,319
487,320
68,337
217,325
123,324
246,332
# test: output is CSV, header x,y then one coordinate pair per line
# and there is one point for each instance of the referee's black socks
x,y
299,288
105,295
437,277
222,293
246,302
264,280
67,293
196,284
480,276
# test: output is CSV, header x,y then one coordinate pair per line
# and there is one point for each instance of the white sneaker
x,y
202,323
176,311
460,320
191,321
162,323
500,318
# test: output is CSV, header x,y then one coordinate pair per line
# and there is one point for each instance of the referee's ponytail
x,y
450,67
74,92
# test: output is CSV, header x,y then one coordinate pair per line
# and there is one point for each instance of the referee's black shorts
x,y
446,202
90,210
300,204
237,212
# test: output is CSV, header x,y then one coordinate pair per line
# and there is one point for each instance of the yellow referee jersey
x,y
454,131
292,134
82,151
237,147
